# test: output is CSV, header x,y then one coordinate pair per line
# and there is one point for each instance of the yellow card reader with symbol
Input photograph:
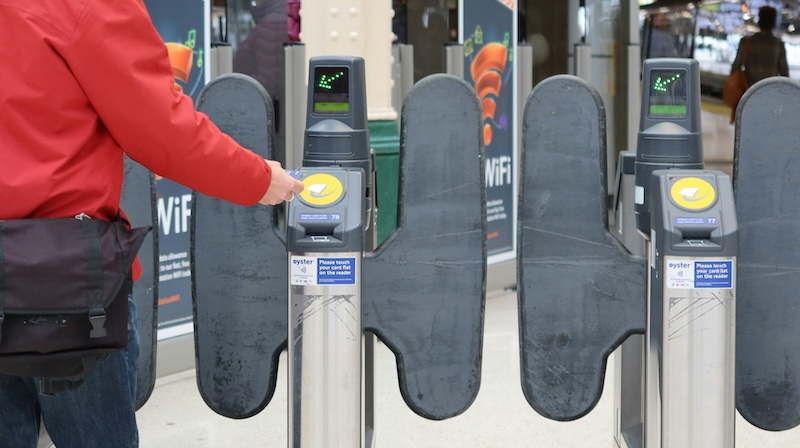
x,y
321,189
693,193
329,215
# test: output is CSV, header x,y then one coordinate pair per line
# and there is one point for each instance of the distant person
x,y
400,21
260,54
429,37
294,20
766,53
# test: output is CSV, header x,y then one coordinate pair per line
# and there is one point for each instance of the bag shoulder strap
x,y
97,314
52,386
746,43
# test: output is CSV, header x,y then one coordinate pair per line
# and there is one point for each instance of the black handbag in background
x,y
64,286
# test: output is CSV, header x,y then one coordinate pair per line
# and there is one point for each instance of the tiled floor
x,y
500,417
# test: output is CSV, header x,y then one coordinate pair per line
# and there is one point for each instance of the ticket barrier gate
x,y
325,240
669,137
581,294
434,325
139,203
766,185
766,358
240,324
629,357
689,362
229,312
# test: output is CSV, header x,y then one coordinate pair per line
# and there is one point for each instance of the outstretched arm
x,y
122,64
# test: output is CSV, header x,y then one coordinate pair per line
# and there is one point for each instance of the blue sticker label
x,y
713,274
693,274
336,271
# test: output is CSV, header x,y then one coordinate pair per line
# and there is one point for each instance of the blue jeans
x,y
98,414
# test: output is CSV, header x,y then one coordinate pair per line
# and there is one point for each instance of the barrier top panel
x,y
139,203
766,185
580,292
239,267
424,288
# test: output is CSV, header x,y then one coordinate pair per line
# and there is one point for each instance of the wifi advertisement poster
x,y
489,36
181,24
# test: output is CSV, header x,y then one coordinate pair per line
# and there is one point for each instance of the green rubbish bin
x,y
385,140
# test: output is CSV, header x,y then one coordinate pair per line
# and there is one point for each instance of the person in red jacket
x,y
84,81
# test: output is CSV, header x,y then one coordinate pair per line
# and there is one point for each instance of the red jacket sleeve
x,y
122,64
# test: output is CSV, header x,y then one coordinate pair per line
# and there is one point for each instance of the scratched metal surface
x,y
239,267
767,189
424,289
580,292
139,204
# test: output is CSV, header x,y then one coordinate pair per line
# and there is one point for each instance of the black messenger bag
x,y
64,286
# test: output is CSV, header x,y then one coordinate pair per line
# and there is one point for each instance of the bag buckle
x,y
98,320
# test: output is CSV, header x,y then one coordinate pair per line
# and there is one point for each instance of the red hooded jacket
x,y
85,80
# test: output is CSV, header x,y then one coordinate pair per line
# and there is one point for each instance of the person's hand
x,y
282,187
